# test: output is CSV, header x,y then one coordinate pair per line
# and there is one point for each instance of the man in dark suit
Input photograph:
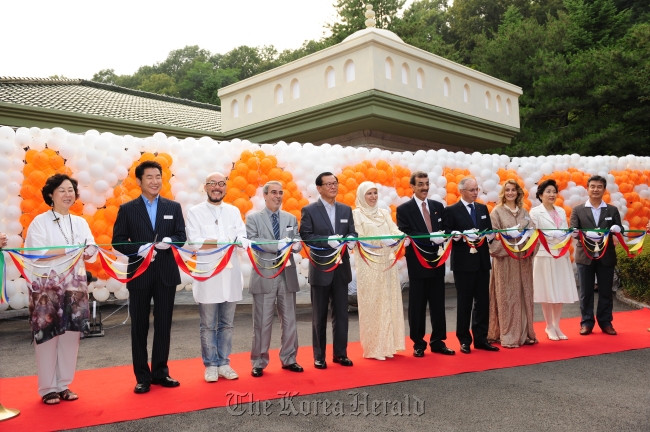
x,y
417,217
471,266
325,219
584,216
150,221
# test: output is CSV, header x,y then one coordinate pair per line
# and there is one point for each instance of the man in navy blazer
x,y
150,221
471,266
417,217
328,219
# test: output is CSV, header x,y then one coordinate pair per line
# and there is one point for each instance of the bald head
x,y
215,187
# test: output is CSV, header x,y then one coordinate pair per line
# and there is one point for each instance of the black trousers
x,y
321,296
587,278
423,292
473,291
140,308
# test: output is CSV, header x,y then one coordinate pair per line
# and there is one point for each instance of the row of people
x,y
488,309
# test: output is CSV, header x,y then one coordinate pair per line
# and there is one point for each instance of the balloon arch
x,y
104,164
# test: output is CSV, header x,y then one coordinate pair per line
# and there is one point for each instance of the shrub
x,y
634,273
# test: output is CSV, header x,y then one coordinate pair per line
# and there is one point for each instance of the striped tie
x,y
276,226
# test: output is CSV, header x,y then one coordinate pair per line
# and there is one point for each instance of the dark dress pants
x,y
423,292
139,308
473,291
321,295
587,278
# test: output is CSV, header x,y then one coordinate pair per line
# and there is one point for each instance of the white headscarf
x,y
370,213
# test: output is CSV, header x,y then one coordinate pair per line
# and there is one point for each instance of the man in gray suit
x,y
268,225
593,214
322,224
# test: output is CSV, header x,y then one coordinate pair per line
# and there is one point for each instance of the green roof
x,y
106,100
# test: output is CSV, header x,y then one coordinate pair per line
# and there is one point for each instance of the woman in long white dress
x,y
58,300
381,311
553,280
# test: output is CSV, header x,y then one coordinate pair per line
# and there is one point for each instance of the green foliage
x,y
634,273
583,65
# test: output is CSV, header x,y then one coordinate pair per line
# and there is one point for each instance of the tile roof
x,y
107,100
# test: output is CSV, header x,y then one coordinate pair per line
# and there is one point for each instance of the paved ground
x,y
602,393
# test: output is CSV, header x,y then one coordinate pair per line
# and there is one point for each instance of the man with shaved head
x,y
211,225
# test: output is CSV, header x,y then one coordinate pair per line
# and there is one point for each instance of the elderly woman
x,y
511,281
381,311
58,303
554,281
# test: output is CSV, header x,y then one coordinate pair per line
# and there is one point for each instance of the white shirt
x,y
419,203
331,211
45,232
595,211
469,210
226,286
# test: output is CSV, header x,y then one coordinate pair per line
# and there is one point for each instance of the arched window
x,y
234,107
406,71
488,100
466,93
446,87
295,89
248,101
389,68
419,78
279,94
330,79
498,103
508,106
349,71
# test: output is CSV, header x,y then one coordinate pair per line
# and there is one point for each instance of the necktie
x,y
276,226
472,213
427,216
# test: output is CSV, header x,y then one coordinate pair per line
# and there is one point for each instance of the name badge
x,y
608,218
439,219
344,221
483,217
289,228
168,217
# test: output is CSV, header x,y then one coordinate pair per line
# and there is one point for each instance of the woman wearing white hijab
x,y
381,311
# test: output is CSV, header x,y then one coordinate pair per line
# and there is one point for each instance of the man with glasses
x,y
470,263
211,225
596,214
274,229
331,221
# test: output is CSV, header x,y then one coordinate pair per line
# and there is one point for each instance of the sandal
x,y
530,341
68,395
51,398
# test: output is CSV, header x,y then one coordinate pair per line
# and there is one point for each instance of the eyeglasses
x,y
214,184
332,184
275,192
473,190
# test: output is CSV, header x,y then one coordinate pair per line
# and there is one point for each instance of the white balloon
x,y
121,172
109,163
89,210
12,213
101,294
97,171
123,293
17,301
13,188
100,186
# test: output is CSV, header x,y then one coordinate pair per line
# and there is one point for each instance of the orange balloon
x,y
56,162
253,177
240,203
239,183
287,176
99,227
28,206
266,164
275,174
41,161
253,163
103,239
37,179
110,215
242,167
371,174
351,184
250,190
29,155
164,163
245,155
382,176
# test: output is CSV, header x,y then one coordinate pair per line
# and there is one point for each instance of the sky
x,y
76,38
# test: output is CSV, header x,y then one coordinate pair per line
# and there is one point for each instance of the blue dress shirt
x,y
152,210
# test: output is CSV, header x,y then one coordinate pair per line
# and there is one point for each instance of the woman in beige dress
x,y
381,311
554,281
511,281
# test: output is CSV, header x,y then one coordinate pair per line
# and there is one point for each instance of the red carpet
x,y
106,394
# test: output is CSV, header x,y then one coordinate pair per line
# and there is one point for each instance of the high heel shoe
x,y
552,335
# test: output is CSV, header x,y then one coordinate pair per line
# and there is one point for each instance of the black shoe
x,y
486,346
257,372
294,367
166,382
465,349
320,364
141,388
418,352
343,361
443,350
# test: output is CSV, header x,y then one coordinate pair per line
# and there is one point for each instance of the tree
x,y
203,81
159,83
106,76
179,61
351,16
